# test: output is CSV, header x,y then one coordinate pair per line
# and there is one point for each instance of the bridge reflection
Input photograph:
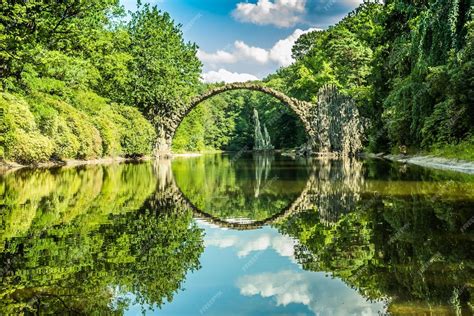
x,y
332,188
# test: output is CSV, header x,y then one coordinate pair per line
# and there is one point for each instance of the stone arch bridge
x,y
169,124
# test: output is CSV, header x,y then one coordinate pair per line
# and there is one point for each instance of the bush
x,y
463,150
78,128
28,148
22,141
110,132
137,134
47,127
104,119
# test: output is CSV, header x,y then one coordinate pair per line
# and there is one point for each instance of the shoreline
x,y
426,161
6,166
431,162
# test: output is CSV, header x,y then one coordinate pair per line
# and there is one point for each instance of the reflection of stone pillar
x,y
263,164
164,173
163,142
337,187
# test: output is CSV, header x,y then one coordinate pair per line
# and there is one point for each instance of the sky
x,y
241,40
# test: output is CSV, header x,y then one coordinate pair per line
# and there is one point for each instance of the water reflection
x,y
309,289
81,240
251,188
334,237
404,239
263,164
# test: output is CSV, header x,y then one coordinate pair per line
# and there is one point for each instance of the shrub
x,y
28,147
78,128
22,140
67,144
110,132
137,135
47,127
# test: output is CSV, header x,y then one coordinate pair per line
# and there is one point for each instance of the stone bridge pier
x,y
170,123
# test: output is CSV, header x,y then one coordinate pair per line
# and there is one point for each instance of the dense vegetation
x,y
409,65
81,71
74,77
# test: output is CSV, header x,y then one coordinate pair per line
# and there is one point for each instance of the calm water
x,y
239,235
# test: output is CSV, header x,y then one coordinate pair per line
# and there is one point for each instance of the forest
x,y
87,80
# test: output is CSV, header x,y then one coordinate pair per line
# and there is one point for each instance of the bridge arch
x,y
170,125
168,192
302,203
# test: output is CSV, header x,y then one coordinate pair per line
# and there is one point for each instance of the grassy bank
x,y
462,151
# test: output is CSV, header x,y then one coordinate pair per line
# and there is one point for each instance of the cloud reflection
x,y
246,244
310,289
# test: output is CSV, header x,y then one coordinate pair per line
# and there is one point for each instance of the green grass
x,y
463,150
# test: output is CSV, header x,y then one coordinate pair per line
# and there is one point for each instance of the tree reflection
x,y
93,241
404,240
254,188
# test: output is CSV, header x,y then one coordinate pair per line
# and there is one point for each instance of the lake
x,y
239,234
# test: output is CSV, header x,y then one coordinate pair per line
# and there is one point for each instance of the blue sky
x,y
243,40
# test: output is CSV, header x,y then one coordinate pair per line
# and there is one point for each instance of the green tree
x,y
165,71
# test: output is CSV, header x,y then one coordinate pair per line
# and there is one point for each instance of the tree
x,y
165,71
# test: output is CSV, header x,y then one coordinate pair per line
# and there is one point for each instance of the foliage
x,y
41,127
463,150
21,138
100,235
420,96
80,66
164,71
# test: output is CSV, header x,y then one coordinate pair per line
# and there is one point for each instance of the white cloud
x,y
225,242
259,244
281,51
258,54
323,296
283,245
286,286
279,54
219,57
226,76
282,13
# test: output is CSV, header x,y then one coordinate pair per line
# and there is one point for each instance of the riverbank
x,y
432,162
9,165
423,161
